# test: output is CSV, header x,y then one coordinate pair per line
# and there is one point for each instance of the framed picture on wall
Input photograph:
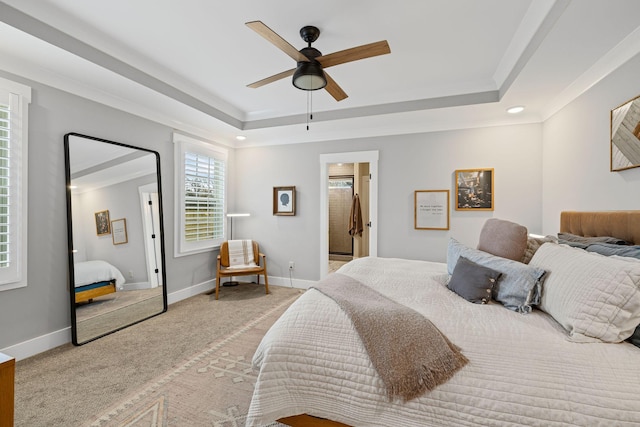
x,y
474,189
102,223
625,135
284,201
431,209
119,231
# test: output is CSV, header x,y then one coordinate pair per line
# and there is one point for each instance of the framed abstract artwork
x,y
625,135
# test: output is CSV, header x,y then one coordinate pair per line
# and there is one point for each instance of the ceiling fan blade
x,y
333,88
355,53
273,37
273,78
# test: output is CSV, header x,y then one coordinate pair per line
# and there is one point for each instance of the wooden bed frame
x,y
108,287
621,224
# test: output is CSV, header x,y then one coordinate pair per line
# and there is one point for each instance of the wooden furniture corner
x,y
7,389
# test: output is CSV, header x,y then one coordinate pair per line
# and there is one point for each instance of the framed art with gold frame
x,y
102,223
431,209
474,189
119,231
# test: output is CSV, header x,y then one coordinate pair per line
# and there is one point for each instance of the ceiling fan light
x,y
309,76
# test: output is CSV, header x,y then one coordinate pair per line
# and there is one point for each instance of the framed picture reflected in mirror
x,y
102,223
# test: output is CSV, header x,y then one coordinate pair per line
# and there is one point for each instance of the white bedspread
x,y
522,370
88,272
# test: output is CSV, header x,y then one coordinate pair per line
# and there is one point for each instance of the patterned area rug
x,y
213,387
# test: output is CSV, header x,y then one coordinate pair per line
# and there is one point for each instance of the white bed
x,y
95,278
523,369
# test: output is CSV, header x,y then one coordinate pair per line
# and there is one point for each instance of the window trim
x,y
19,98
182,144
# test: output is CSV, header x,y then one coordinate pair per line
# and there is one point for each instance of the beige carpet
x,y
187,367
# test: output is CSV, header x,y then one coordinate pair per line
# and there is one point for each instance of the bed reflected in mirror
x,y
115,236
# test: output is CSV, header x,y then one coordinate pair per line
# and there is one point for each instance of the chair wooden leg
x,y
266,283
217,285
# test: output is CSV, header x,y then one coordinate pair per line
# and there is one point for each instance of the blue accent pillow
x,y
520,285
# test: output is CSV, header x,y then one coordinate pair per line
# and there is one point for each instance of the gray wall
x,y
42,307
123,201
540,169
576,163
406,163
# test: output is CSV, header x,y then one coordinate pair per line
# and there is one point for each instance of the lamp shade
x,y
309,76
233,215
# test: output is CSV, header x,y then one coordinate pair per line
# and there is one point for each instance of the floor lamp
x,y
231,216
234,215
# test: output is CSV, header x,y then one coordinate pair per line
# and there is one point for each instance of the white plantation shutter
x,y
5,187
14,100
201,180
204,197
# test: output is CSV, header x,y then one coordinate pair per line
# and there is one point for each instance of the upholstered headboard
x,y
621,224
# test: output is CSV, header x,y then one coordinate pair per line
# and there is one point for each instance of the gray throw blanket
x,y
409,352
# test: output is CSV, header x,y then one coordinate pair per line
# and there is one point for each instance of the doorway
x,y
366,161
340,199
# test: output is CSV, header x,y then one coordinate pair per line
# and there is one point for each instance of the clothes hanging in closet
x,y
355,217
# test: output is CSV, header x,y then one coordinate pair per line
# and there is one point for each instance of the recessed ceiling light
x,y
515,109
241,137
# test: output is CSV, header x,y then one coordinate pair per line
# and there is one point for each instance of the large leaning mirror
x,y
115,235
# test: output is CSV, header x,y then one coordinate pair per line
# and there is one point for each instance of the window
x,y
14,104
201,170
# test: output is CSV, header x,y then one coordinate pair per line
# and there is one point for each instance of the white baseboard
x,y
39,344
63,336
135,286
191,291
291,283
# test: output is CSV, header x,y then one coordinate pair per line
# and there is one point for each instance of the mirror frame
x,y
71,275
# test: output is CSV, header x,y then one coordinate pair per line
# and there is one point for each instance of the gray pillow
x,y
533,244
503,238
472,281
610,249
584,240
520,286
635,337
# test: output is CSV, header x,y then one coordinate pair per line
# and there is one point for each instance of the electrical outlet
x,y
130,274
292,265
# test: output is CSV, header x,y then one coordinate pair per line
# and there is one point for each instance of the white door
x,y
365,182
151,223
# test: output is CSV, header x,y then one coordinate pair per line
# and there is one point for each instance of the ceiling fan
x,y
309,73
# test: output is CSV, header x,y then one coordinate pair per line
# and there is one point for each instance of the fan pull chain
x,y
309,107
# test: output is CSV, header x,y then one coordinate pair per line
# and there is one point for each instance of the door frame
x,y
150,226
370,157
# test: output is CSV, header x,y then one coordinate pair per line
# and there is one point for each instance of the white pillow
x,y
595,298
